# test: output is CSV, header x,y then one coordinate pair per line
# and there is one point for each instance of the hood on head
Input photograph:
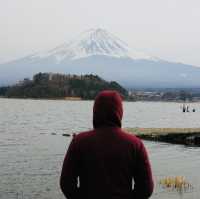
x,y
107,110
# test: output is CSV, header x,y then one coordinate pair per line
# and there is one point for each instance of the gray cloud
x,y
164,28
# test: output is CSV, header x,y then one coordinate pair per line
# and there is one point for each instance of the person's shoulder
x,y
83,135
131,137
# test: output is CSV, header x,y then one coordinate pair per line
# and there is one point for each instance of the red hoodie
x,y
109,162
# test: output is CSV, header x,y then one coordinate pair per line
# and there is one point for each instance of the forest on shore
x,y
54,85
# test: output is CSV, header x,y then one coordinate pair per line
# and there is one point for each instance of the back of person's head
x,y
108,110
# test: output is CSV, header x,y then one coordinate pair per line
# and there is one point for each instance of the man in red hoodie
x,y
106,162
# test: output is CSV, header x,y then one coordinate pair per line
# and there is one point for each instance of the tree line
x,y
53,85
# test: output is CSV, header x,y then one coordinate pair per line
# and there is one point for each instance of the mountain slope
x,y
89,43
99,52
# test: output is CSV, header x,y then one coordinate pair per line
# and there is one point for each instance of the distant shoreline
x,y
80,99
60,98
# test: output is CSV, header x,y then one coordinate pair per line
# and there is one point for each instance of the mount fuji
x,y
99,52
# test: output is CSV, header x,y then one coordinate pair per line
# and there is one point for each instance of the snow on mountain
x,y
93,42
98,52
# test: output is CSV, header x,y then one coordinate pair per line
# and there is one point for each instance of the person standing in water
x,y
187,108
103,163
184,108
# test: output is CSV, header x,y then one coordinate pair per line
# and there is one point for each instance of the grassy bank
x,y
186,136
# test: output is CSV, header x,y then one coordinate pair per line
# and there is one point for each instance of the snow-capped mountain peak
x,y
96,51
93,42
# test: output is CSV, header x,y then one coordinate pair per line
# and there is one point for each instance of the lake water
x,y
31,156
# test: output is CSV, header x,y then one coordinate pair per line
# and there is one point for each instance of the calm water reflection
x,y
31,157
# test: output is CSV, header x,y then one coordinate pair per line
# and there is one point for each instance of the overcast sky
x,y
168,29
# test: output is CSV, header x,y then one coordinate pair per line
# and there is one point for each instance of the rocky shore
x,y
185,136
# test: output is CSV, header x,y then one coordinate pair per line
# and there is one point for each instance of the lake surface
x,y
31,156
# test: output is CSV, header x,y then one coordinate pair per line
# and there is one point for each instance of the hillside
x,y
53,85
